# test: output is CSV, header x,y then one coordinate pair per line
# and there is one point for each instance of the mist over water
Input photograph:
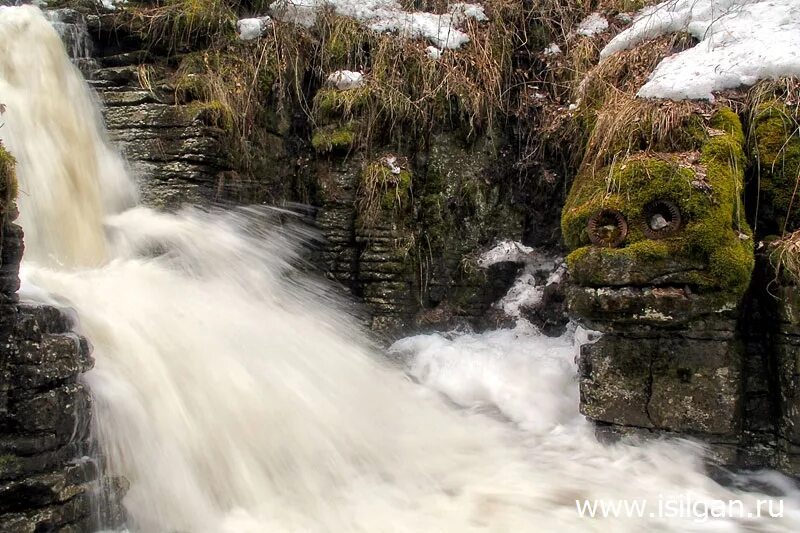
x,y
235,393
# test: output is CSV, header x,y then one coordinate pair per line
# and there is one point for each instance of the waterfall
x,y
70,178
235,393
71,27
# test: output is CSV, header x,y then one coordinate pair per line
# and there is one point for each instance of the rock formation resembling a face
x,y
661,237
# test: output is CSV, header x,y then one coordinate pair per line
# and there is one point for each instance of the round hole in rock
x,y
607,228
662,219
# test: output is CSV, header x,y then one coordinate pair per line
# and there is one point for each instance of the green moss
x,y
334,138
400,194
215,114
635,264
727,120
707,192
331,103
776,147
191,81
8,179
383,189
342,40
174,25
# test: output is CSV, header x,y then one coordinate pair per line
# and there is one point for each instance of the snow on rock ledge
x,y
252,28
346,79
741,41
592,25
507,252
527,291
388,16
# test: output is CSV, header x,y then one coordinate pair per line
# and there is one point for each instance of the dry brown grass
x,y
380,190
620,123
628,70
784,254
626,124
785,90
471,87
176,24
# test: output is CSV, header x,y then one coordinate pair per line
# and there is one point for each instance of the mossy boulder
x,y
776,154
711,247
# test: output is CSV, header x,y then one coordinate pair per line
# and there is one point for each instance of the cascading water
x,y
235,394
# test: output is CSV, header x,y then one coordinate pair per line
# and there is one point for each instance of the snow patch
x,y
528,289
654,314
506,252
388,16
392,164
110,5
252,28
552,50
741,42
346,79
592,25
433,52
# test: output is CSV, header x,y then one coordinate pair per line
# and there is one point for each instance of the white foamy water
x,y
236,395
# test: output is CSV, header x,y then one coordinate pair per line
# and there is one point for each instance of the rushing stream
x,y
236,394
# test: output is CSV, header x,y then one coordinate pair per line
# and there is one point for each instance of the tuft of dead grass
x,y
620,123
174,25
784,254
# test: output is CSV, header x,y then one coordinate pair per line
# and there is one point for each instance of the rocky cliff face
x,y
50,478
429,160
403,220
698,333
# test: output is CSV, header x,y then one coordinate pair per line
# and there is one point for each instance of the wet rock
x,y
611,308
45,413
43,489
72,516
673,384
147,116
551,314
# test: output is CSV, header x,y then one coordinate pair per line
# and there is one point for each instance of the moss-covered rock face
x,y
776,151
462,210
8,180
684,216
334,138
331,104
385,186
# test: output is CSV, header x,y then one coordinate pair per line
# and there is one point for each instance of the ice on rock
x,y
506,252
526,291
